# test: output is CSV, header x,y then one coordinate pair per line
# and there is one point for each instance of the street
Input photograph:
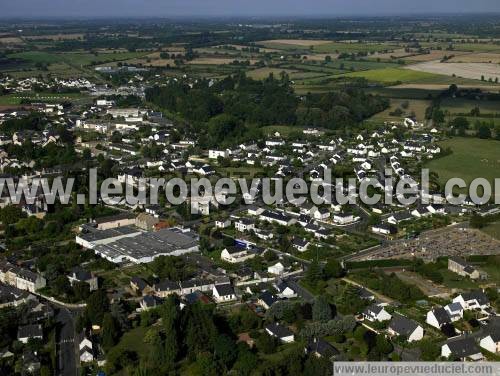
x,y
66,347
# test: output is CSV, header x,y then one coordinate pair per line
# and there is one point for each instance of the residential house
x,y
376,313
80,275
491,340
86,351
403,326
473,300
284,334
224,293
438,317
276,269
461,267
236,254
300,245
27,332
455,310
461,348
266,299
321,348
285,290
244,224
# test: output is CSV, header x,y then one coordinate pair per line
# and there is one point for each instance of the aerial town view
x,y
249,188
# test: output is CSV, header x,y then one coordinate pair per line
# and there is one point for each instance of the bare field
x,y
485,57
11,40
465,70
296,42
319,57
262,73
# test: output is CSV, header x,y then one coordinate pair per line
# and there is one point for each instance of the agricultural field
x,y
394,75
484,57
410,107
476,71
471,158
74,58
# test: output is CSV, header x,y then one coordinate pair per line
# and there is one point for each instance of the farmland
x,y
476,71
471,158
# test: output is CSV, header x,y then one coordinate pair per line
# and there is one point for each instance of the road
x,y
66,346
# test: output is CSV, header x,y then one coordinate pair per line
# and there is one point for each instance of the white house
x,y
461,348
214,154
491,341
473,300
244,224
86,352
285,291
276,269
438,317
403,326
376,313
223,223
234,255
223,293
455,310
300,245
344,218
284,334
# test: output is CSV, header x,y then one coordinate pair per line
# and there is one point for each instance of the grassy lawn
x,y
418,106
471,158
134,341
454,281
284,130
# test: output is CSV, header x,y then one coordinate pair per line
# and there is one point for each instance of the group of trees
x,y
233,109
391,286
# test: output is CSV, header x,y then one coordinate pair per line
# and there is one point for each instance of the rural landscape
x,y
228,282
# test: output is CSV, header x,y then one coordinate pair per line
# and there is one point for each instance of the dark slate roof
x,y
151,301
322,347
166,285
268,298
463,347
300,242
279,330
442,316
376,309
30,331
478,295
81,274
402,325
225,289
139,282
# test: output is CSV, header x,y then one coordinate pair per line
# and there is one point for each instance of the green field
x,y
471,158
391,75
461,106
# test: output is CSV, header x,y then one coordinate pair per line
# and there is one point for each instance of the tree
x,y
266,344
225,351
383,345
97,305
313,274
157,354
333,269
321,309
110,332
429,350
484,132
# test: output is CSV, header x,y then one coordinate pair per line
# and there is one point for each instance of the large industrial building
x,y
127,244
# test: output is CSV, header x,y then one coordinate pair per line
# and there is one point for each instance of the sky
x,y
237,8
